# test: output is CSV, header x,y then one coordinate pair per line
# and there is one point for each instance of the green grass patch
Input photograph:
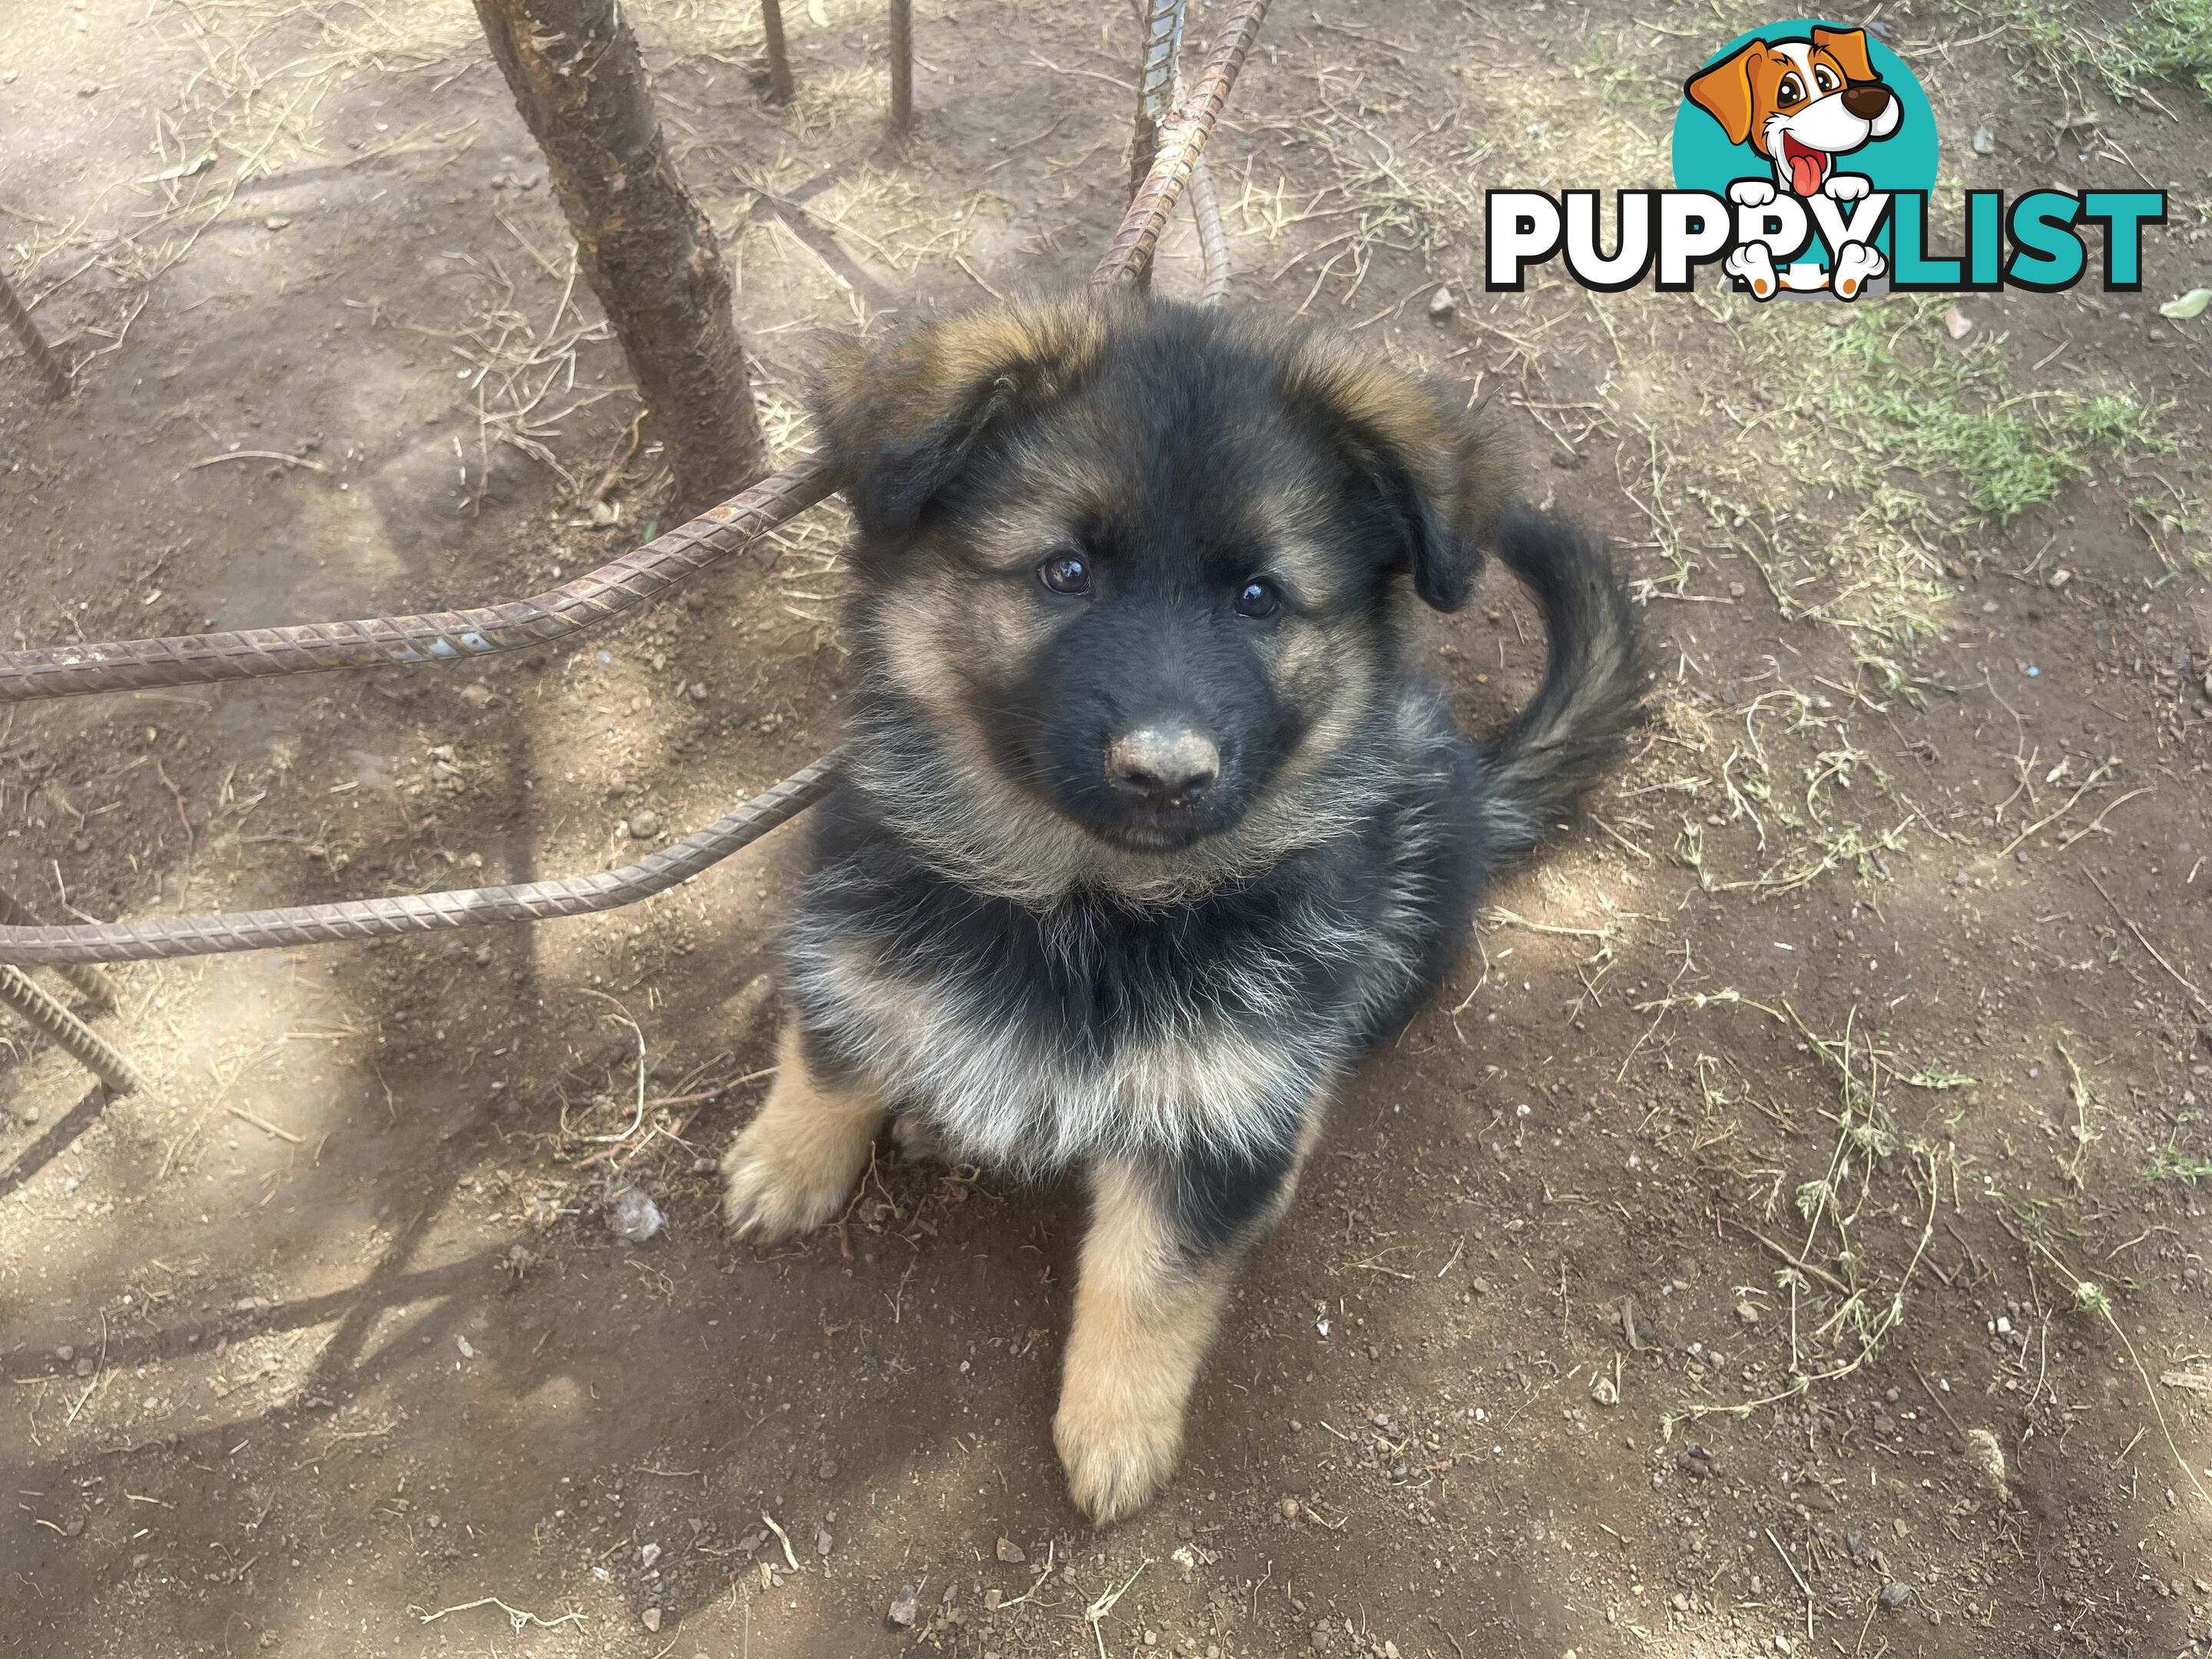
x,y
2174,38
1914,402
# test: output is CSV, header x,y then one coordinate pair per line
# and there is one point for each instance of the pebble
x,y
1746,1314
828,1470
1985,142
1010,1551
823,1543
647,1554
1441,304
653,1618
1894,1594
633,1216
644,825
905,1606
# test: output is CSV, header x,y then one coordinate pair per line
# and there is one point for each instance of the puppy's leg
x,y
797,1160
1158,1265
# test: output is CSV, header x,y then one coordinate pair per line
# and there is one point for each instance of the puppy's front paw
x,y
1847,186
774,1187
1116,1457
1754,264
1856,266
1751,192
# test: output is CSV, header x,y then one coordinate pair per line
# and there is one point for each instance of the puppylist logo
x,y
1804,156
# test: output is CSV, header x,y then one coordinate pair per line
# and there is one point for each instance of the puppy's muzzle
x,y
1868,99
1163,764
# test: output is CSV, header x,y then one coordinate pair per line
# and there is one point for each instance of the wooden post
x,y
646,249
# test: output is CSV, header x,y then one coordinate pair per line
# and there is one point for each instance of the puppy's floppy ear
x,y
1849,48
1446,478
901,416
1723,91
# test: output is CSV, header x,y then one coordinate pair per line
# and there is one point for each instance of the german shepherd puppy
x,y
1147,830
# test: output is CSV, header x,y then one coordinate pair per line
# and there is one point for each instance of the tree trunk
x,y
647,251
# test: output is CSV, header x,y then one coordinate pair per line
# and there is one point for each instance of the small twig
x,y
2203,1006
263,455
1927,1388
518,1617
783,1538
1793,1573
1798,1262
266,1127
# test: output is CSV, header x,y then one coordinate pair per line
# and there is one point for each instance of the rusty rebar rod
x,y
159,938
779,53
91,984
1213,235
901,63
1129,255
1156,86
436,637
91,1050
34,344
318,924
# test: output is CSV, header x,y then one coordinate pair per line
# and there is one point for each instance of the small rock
x,y
823,1543
653,1618
1957,323
65,1353
2060,577
1441,304
89,89
1681,1602
1010,1551
477,695
905,1606
827,1469
1603,1391
647,1554
1985,142
1746,1314
1894,1594
644,824
276,222
85,1365
633,1216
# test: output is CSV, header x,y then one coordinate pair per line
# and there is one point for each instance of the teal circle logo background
x,y
1704,160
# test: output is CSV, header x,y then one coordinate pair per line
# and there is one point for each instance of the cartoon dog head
x,y
1800,103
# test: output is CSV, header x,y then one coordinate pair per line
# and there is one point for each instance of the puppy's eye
x,y
1063,572
1790,91
1258,598
1825,78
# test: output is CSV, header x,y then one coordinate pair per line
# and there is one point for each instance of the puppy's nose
x,y
1163,763
1868,99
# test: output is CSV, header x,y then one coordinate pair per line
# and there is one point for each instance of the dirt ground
x,y
1886,957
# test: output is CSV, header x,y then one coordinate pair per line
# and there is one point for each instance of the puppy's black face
x,y
1138,558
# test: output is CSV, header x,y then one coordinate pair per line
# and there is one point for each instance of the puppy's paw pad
x,y
769,1199
1116,1463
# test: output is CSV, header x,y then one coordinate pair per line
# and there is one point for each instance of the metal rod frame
x,y
779,52
452,636
91,1050
34,344
902,21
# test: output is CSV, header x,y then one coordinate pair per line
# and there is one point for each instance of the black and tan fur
x,y
1092,532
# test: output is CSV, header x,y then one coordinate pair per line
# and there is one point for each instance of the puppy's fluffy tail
x,y
1542,764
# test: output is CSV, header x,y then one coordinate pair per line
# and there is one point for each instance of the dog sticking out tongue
x,y
1808,168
